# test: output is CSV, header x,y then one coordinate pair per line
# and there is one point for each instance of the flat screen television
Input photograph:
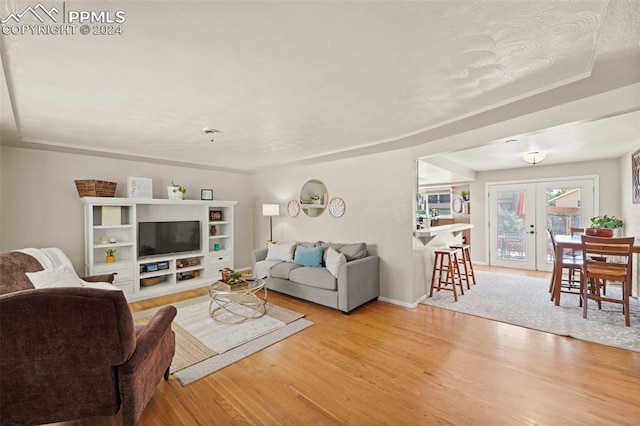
x,y
156,238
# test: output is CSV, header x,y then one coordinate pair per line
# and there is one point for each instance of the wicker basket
x,y
146,282
95,188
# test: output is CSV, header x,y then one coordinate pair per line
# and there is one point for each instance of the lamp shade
x,y
271,210
534,157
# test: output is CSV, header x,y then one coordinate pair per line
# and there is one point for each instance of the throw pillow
x,y
334,261
351,251
283,252
308,256
60,276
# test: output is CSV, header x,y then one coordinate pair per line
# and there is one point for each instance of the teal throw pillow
x,y
308,256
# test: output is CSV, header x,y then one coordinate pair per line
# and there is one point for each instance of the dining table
x,y
564,242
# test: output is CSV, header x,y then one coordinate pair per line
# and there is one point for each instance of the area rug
x,y
204,346
524,301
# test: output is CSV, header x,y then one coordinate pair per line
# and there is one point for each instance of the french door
x,y
521,213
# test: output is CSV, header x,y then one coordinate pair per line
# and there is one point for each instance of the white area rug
x,y
199,370
204,346
525,301
221,337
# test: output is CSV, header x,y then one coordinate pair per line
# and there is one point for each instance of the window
x,y
438,199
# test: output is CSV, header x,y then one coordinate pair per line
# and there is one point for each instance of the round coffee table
x,y
237,303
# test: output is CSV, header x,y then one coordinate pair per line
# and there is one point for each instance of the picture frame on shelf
x,y
215,215
138,187
206,194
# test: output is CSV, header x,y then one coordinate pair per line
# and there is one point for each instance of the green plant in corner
x,y
605,221
178,188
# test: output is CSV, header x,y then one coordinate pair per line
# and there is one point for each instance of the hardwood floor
x,y
385,364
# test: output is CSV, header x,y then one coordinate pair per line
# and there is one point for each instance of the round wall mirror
x,y
314,198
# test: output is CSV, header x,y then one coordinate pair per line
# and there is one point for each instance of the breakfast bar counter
x,y
442,229
425,242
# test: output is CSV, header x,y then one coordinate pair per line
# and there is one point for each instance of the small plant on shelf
x,y
315,198
111,255
178,188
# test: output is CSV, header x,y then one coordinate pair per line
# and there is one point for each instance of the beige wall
x,y
41,208
378,190
609,180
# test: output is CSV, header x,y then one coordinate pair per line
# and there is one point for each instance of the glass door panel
x,y
564,205
512,225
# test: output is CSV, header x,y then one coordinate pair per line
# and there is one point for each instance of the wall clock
x,y
457,205
293,208
336,207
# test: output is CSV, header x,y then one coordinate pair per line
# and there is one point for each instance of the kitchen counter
x,y
442,229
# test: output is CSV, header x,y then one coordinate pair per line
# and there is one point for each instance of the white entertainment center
x,y
113,223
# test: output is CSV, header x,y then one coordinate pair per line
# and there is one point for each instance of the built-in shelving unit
x,y
113,223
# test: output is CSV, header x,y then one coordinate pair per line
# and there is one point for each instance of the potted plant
x,y
603,226
433,215
176,191
315,198
111,255
465,195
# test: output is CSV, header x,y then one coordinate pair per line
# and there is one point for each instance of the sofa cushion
x,y
351,251
282,251
282,270
314,277
308,256
334,261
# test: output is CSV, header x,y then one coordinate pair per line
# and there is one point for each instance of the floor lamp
x,y
270,210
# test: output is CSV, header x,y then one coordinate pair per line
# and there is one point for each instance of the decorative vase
x,y
599,232
173,193
110,259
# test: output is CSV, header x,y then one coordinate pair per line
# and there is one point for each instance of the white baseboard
x,y
403,304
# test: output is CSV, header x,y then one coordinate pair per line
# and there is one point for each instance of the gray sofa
x,y
357,281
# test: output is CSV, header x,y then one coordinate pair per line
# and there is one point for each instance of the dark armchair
x,y
73,352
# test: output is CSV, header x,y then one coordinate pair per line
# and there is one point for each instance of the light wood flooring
x,y
385,364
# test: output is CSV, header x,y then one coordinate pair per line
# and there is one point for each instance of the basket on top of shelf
x,y
95,188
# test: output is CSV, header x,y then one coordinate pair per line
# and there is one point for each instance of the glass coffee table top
x,y
232,304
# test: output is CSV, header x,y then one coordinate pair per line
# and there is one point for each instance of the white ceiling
x,y
288,81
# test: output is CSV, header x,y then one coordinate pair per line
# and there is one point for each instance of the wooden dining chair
x,y
572,264
616,267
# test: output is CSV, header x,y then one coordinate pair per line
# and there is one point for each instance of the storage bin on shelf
x,y
95,188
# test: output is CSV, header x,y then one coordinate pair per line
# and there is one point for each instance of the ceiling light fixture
x,y
210,132
534,157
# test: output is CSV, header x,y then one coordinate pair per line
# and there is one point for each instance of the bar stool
x,y
445,264
465,260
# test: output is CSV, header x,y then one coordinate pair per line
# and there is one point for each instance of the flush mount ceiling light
x,y
534,157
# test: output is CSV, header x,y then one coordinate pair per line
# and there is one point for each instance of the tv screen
x,y
155,238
